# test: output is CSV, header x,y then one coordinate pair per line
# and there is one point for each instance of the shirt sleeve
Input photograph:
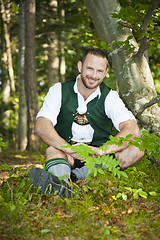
x,y
52,104
116,110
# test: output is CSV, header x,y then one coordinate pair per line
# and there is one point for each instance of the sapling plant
x,y
150,143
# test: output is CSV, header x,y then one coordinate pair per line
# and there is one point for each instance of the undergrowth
x,y
110,204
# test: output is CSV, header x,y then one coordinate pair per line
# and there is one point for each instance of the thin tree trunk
x,y
8,46
53,61
22,121
61,17
6,91
132,72
30,73
56,59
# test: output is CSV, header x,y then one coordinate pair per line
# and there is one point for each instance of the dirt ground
x,y
17,159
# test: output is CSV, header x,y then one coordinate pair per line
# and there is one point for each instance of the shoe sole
x,y
49,183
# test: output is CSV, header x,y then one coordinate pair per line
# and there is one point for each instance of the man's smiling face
x,y
93,70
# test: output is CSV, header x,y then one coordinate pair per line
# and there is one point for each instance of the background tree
x,y
6,21
7,73
131,68
56,60
30,73
22,119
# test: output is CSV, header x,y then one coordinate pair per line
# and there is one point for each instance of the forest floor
x,y
105,207
24,160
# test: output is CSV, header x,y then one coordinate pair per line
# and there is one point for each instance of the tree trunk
x,y
8,46
53,61
61,17
22,121
132,72
6,93
56,59
30,73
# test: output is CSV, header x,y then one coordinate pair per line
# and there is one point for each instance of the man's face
x,y
93,70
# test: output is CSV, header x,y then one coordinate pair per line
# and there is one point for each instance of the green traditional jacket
x,y
96,115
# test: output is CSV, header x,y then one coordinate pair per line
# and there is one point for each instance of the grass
x,y
96,212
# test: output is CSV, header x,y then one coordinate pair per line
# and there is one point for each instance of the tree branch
x,y
146,105
144,41
148,15
125,24
143,46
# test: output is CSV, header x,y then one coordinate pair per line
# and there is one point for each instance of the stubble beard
x,y
84,81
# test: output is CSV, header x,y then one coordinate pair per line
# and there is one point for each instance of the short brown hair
x,y
94,51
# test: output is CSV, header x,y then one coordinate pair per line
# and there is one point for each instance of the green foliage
x,y
14,197
2,144
151,143
106,163
137,11
97,165
82,150
134,20
126,45
138,192
5,167
106,207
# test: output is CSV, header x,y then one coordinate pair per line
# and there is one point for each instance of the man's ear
x,y
106,70
79,65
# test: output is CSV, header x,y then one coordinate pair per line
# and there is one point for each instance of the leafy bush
x,y
150,143
2,144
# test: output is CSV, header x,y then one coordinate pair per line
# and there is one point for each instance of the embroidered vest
x,y
96,116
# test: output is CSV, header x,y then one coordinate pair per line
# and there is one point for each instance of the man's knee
x,y
129,156
52,152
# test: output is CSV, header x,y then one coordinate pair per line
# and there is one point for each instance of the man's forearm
x,y
49,135
126,128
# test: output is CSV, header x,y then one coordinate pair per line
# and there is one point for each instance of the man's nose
x,y
94,74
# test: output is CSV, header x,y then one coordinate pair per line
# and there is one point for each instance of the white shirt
x,y
114,109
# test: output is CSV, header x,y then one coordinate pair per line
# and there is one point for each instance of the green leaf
x,y
43,231
128,188
144,132
135,194
100,170
13,207
95,172
124,174
61,177
103,44
124,196
66,146
107,231
154,194
2,200
82,150
21,185
5,167
119,195
143,194
128,137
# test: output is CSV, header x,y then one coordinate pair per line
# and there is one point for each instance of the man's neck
x,y
85,92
